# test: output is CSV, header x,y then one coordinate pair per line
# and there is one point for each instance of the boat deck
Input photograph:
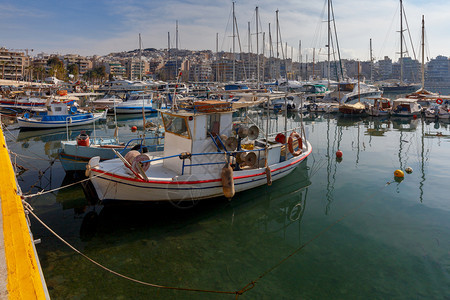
x,y
156,172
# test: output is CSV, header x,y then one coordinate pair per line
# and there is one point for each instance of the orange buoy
x,y
399,173
227,181
339,154
134,128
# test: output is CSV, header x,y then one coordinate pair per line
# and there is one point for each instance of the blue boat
x,y
60,115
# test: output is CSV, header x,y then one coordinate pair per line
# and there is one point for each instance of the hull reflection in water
x,y
284,204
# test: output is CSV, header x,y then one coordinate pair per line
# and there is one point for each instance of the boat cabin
x,y
406,107
193,131
61,109
202,133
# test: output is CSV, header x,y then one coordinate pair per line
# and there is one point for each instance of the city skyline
x,y
101,27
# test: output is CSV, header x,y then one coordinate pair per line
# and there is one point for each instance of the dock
x,y
21,276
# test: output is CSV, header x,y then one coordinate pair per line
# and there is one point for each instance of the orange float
x,y
295,135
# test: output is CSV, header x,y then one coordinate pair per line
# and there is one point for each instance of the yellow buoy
x,y
227,181
399,173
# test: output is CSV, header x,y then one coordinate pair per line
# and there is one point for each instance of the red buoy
x,y
134,128
339,154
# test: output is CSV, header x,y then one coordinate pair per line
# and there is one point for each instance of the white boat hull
x,y
118,185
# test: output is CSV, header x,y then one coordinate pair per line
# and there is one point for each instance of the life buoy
x,y
295,135
439,101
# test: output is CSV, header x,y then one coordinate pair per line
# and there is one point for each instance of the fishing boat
x,y
323,107
60,115
405,107
205,156
444,110
75,154
357,108
20,104
381,107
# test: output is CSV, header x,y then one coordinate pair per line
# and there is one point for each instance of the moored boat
x,y
59,116
204,156
75,154
137,103
357,108
380,107
405,107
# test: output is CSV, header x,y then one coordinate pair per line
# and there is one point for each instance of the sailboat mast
x,y
263,55
168,54
371,62
314,65
176,47
278,54
423,52
234,36
300,59
217,57
401,41
257,49
140,57
329,42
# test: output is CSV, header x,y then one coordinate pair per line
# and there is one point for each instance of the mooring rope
x,y
31,157
237,293
29,209
61,187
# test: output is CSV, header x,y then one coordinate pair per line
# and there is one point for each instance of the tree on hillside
x,y
56,67
95,75
73,69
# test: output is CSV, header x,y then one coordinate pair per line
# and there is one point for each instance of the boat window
x,y
176,125
213,124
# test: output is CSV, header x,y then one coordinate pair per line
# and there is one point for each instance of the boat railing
x,y
186,155
141,142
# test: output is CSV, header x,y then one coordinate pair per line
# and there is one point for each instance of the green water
x,y
354,231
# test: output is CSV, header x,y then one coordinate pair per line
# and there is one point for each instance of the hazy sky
x,y
89,27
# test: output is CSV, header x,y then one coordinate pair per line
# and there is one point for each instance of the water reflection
x,y
282,206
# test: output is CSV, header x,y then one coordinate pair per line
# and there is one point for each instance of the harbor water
x,y
332,229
